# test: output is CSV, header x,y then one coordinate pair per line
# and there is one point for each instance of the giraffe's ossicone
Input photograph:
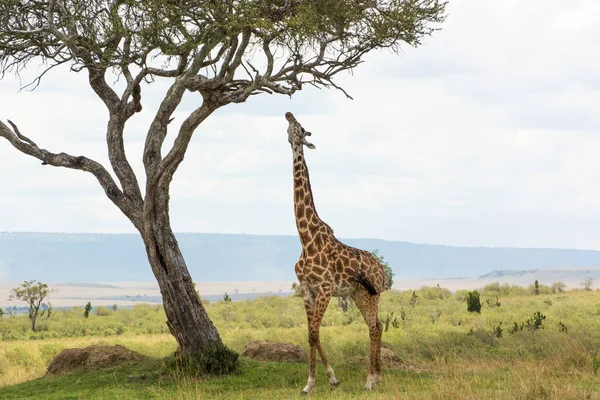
x,y
328,267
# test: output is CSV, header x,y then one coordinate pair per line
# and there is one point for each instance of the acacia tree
x,y
33,293
218,51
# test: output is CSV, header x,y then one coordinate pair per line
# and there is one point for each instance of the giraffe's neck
x,y
307,219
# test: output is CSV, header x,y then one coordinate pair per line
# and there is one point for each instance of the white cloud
x,y
488,134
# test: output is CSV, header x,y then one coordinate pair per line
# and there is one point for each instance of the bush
x,y
216,360
540,289
102,311
558,287
434,293
473,302
499,290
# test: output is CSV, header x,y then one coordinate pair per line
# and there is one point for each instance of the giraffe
x,y
328,267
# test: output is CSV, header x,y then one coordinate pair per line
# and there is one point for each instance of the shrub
x,y
473,302
297,289
434,293
497,330
215,360
587,283
536,322
461,295
413,299
540,289
390,319
389,274
558,287
493,303
102,311
88,308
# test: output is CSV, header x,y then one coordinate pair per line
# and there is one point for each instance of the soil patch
x,y
274,351
91,357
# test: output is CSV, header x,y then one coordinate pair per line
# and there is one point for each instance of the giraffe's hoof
x,y
334,384
303,393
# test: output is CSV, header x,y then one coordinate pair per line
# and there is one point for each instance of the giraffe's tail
x,y
367,284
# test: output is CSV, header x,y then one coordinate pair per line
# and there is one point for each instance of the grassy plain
x,y
455,354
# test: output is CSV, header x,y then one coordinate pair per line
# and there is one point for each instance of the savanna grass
x,y
456,355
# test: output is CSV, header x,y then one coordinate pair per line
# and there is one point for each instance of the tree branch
x,y
27,146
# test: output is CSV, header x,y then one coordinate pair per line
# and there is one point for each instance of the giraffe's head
x,y
296,133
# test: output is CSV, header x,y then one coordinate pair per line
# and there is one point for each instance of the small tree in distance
x,y
587,283
297,289
558,287
33,293
473,302
88,308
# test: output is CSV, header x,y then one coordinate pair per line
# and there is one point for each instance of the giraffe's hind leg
x,y
315,309
369,307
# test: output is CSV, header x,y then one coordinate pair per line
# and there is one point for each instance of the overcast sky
x,y
487,135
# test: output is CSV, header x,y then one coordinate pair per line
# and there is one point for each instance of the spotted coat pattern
x,y
328,267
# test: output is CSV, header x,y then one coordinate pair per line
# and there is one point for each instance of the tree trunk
x,y
187,318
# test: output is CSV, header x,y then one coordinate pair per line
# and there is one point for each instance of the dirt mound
x,y
273,351
91,357
389,360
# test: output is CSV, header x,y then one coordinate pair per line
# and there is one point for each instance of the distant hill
x,y
59,257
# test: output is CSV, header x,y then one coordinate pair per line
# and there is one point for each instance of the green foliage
x,y
389,274
473,302
297,289
493,303
413,299
114,306
102,311
226,298
535,322
49,310
1,312
516,327
213,360
88,308
389,318
502,290
435,315
539,289
434,293
33,293
497,330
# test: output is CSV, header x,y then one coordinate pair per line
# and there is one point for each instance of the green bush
x,y
102,311
473,302
434,293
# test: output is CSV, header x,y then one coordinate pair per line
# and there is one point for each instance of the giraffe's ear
x,y
309,145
